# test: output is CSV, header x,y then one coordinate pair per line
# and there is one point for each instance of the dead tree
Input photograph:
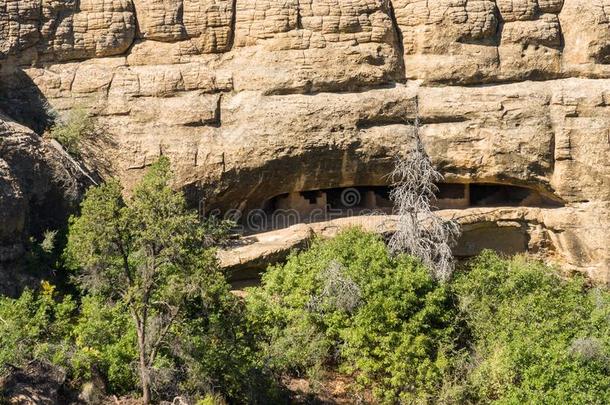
x,y
420,232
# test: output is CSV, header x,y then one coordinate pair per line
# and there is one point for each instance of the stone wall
x,y
253,99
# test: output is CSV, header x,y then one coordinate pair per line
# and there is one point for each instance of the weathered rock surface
x,y
551,234
39,186
255,99
37,383
62,30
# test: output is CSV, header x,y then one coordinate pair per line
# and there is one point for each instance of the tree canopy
x,y
147,252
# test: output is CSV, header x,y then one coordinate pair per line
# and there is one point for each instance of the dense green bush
x,y
105,343
211,350
536,338
346,302
39,325
217,350
35,326
504,331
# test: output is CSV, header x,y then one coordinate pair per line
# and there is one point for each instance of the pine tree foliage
x,y
149,253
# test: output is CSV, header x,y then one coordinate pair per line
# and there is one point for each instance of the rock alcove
x,y
314,206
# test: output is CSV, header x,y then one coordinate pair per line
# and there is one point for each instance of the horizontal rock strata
x,y
551,234
252,100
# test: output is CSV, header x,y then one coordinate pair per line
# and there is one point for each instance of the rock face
x,y
252,99
39,186
546,233
37,383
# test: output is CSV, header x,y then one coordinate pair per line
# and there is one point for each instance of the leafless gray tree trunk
x,y
420,232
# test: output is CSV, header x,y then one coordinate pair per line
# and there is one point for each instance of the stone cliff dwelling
x,y
322,205
496,216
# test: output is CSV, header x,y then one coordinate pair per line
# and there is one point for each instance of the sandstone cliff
x,y
255,99
39,186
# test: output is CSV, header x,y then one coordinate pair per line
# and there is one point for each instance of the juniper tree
x,y
147,252
420,232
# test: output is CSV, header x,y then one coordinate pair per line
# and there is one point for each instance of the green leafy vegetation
x,y
151,259
150,313
503,331
73,128
346,302
35,326
535,337
154,312
148,254
104,341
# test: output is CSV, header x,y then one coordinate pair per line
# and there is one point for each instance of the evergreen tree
x,y
148,252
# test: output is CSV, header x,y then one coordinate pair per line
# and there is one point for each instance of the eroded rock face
x,y
208,22
550,234
254,99
37,383
63,30
39,186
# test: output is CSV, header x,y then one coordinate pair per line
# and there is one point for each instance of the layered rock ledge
x,y
554,235
253,100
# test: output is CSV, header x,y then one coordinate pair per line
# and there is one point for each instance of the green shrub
x,y
505,331
35,326
394,331
216,349
536,338
43,254
38,325
75,126
211,399
105,342
211,350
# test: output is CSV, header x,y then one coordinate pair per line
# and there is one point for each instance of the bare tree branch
x,y
420,232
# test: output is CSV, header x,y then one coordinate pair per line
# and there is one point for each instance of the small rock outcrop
x,y
37,383
39,186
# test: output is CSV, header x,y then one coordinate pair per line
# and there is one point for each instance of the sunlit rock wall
x,y
252,99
